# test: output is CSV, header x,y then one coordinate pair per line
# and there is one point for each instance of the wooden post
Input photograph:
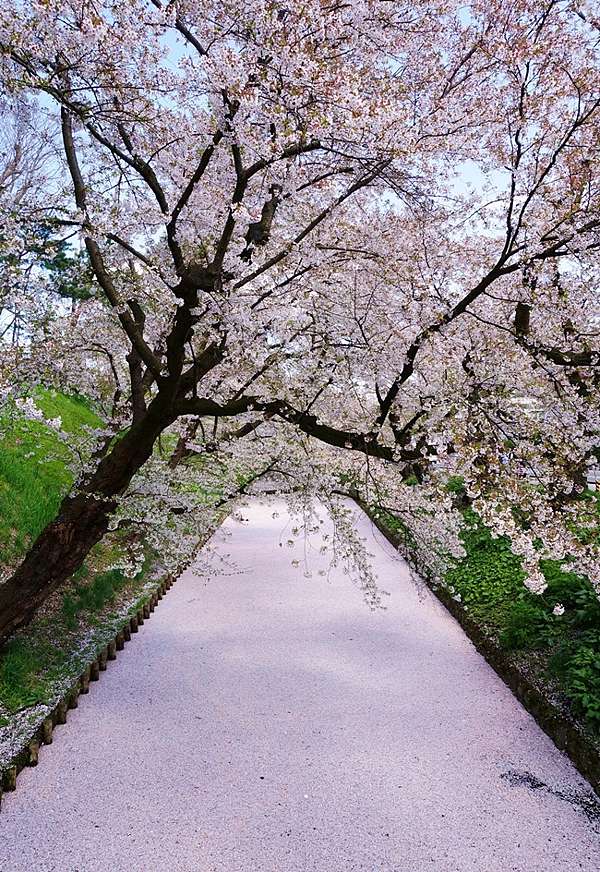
x,y
84,680
95,670
9,778
126,633
111,650
73,697
140,617
60,713
151,603
47,728
146,611
33,750
133,624
120,641
102,658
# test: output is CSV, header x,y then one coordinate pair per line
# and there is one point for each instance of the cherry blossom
x,y
356,244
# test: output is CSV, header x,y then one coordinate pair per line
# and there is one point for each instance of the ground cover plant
x,y
560,625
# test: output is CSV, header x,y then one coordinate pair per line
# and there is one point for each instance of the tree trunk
x,y
82,521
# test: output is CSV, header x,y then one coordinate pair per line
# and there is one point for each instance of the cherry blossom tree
x,y
364,233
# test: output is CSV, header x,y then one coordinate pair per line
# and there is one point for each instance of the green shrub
x,y
455,484
581,677
564,585
586,613
528,626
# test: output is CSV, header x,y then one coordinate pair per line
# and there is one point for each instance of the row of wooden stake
x,y
29,754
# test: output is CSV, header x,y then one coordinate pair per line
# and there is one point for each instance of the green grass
x,y
50,648
34,472
56,647
27,666
92,596
34,476
74,411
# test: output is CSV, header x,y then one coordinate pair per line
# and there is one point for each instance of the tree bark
x,y
81,522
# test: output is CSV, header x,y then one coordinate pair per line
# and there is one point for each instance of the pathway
x,y
267,722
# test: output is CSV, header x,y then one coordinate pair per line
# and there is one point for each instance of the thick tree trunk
x,y
82,521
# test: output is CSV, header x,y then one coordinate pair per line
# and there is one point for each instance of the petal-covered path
x,y
264,721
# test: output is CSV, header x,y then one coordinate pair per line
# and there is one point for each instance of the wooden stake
x,y
47,728
9,778
73,697
146,611
133,624
33,750
111,650
126,633
60,713
84,680
120,640
102,658
95,670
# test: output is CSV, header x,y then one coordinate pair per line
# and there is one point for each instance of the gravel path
x,y
264,721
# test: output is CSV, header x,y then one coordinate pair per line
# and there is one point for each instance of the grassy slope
x,y
34,475
49,654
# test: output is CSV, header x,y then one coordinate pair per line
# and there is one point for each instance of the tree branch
x,y
97,261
